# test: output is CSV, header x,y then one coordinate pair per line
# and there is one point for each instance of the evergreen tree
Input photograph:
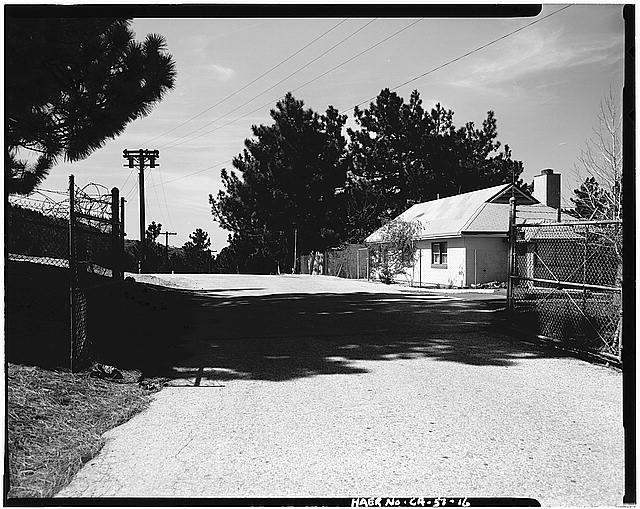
x,y
196,251
153,231
286,181
401,154
70,85
591,201
298,177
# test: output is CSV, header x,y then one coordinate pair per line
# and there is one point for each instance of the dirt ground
x,y
319,386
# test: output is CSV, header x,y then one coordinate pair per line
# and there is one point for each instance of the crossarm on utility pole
x,y
166,246
139,158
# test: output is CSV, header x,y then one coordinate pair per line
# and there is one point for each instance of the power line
x,y
250,83
164,195
463,56
133,184
127,179
196,172
155,192
301,86
358,54
131,190
394,88
166,217
173,143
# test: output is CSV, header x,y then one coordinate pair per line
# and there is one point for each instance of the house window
x,y
438,254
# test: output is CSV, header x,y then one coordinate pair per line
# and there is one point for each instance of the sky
x,y
544,83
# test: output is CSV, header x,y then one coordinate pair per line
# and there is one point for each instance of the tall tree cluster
x,y
284,186
402,154
302,177
70,85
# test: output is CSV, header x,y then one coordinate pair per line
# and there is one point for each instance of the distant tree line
x,y
193,257
308,177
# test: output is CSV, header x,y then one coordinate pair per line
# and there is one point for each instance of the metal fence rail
x,y
566,283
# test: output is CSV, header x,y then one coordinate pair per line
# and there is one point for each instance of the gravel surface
x,y
318,386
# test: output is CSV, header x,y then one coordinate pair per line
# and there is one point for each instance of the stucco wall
x,y
487,259
452,274
471,260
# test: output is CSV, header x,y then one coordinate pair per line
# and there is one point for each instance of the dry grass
x,y
55,422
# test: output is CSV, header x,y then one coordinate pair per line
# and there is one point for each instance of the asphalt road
x,y
315,386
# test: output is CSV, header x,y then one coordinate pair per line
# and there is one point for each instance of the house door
x,y
489,265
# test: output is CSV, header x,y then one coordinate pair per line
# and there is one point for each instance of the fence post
x,y
368,262
122,236
115,234
512,250
72,268
584,270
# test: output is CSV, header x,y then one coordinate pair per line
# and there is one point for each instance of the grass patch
x,y
55,424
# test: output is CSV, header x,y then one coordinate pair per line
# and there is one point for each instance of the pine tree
x,y
591,201
285,180
70,85
401,154
196,251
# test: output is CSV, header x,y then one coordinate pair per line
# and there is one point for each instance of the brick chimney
x,y
546,188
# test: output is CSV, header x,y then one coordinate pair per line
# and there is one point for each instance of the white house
x,y
464,238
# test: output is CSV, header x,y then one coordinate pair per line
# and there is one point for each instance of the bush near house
x,y
397,251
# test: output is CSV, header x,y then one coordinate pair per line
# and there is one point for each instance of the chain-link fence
x,y
96,229
566,283
38,228
60,248
95,243
37,278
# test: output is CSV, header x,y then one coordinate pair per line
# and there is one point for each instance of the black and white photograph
x,y
359,255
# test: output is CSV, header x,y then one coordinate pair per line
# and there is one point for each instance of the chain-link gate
x,y
80,230
95,247
566,283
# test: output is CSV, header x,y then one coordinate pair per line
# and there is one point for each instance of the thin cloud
x,y
538,52
222,73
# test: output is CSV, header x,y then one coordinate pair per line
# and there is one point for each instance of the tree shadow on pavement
x,y
207,336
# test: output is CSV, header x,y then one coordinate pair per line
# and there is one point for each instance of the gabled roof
x,y
482,211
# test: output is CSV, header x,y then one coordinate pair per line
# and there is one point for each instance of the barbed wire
x,y
94,200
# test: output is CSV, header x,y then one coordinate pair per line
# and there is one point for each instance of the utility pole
x,y
122,234
211,251
139,158
166,246
295,248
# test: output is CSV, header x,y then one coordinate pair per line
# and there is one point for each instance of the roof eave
x,y
438,235
484,232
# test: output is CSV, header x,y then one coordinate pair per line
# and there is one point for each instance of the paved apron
x,y
445,407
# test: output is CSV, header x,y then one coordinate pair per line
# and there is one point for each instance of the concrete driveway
x,y
313,386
